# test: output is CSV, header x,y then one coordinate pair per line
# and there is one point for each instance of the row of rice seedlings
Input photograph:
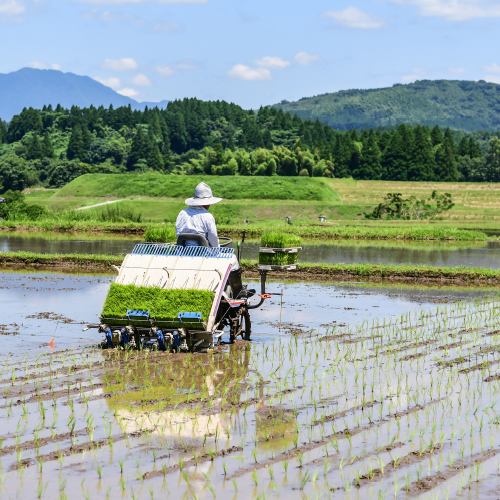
x,y
325,376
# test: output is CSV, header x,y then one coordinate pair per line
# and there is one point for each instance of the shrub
x,y
304,173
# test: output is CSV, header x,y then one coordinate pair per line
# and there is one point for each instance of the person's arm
x,y
212,236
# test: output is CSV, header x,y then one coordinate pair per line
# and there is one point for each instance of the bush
x,y
304,173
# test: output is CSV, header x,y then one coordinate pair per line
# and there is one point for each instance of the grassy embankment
x,y
264,202
306,271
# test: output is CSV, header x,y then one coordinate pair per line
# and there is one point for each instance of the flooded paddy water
x,y
366,392
432,253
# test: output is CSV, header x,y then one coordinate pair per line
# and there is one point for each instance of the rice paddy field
x,y
364,393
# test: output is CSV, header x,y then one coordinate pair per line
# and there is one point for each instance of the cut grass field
x,y
306,272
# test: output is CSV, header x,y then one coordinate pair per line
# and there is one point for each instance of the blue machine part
x,y
124,337
137,314
108,338
189,317
179,251
177,341
161,343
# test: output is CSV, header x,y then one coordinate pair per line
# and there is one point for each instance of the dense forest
x,y
53,146
458,104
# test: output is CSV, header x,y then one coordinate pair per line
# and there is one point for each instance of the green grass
x,y
161,304
80,262
164,234
174,186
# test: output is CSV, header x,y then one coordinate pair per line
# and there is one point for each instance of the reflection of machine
x,y
180,267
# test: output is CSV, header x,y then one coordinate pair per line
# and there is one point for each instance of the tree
x,y
266,137
138,149
446,169
370,162
76,148
47,148
437,136
304,173
168,161
155,160
493,161
3,131
13,173
35,151
422,163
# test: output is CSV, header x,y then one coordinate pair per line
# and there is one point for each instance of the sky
x,y
252,53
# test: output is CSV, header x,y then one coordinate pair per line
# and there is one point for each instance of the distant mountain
x,y
36,87
464,105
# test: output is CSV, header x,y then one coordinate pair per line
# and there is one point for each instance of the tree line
x,y
52,146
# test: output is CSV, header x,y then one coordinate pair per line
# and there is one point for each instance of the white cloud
x,y
456,70
121,2
109,16
454,10
494,68
42,65
492,78
272,62
128,92
123,64
112,82
141,81
352,17
169,69
243,72
11,7
306,59
416,74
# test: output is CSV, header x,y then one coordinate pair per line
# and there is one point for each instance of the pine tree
x,y
155,160
87,139
3,131
474,149
138,149
75,146
446,164
47,148
35,149
370,161
268,141
394,162
178,134
422,162
168,162
463,147
437,136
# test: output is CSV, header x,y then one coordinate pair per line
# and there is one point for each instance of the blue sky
x,y
255,52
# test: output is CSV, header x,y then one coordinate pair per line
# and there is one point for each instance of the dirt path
x,y
100,204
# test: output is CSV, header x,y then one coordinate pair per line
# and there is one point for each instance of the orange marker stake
x,y
52,341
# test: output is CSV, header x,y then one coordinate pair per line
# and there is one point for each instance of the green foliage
x,y
165,234
397,207
279,240
15,209
161,304
466,105
234,188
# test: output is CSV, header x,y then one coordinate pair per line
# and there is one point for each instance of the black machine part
x,y
200,239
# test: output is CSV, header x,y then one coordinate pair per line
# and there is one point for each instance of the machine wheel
x,y
241,325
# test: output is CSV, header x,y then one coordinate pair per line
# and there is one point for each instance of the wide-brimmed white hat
x,y
202,196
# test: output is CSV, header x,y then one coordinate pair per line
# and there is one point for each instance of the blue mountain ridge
x,y
35,88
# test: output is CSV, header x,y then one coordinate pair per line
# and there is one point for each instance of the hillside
x,y
172,186
464,105
35,88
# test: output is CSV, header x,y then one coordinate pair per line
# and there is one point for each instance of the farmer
x,y
197,219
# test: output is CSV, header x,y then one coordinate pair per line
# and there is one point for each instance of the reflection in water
x,y
470,254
